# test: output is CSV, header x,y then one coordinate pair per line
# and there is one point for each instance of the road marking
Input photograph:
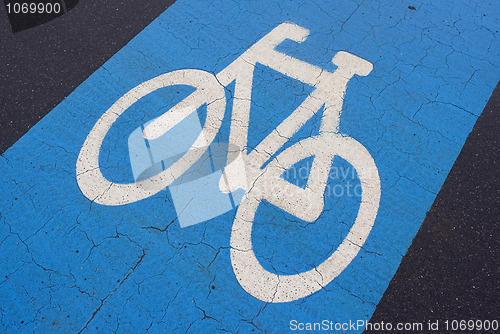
x,y
306,204
411,114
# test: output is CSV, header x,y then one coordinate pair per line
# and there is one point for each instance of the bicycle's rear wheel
x,y
270,287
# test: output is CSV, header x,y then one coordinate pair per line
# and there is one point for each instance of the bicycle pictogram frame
x,y
247,171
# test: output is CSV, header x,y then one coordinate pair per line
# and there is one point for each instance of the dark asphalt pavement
x,y
41,66
452,269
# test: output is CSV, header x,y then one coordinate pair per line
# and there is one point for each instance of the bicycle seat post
x,y
334,86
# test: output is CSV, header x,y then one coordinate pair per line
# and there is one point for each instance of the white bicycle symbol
x,y
247,172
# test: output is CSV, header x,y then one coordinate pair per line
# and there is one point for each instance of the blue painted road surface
x,y
368,104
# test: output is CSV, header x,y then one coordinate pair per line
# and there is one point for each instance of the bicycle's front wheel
x,y
270,287
88,173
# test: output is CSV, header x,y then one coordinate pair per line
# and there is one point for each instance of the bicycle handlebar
x,y
264,52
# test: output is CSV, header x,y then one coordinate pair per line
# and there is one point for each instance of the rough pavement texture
x,y
43,65
451,269
73,265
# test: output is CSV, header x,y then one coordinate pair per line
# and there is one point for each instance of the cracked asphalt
x,y
69,264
